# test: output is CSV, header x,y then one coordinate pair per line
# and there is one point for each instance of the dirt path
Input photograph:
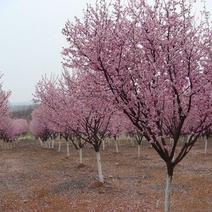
x,y
37,179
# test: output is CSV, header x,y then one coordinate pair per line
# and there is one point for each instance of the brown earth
x,y
42,180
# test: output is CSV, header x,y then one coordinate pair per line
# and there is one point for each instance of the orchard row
x,y
136,68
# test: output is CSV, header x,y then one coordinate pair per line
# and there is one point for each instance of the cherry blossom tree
x,y
5,115
155,59
5,132
39,125
138,135
11,129
116,127
119,125
92,110
19,126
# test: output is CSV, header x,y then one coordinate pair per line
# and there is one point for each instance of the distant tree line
x,y
22,111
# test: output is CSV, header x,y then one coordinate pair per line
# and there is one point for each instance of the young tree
x,y
39,125
92,110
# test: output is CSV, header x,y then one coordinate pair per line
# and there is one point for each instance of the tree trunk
x,y
53,144
170,140
139,150
59,146
173,159
132,141
103,145
206,144
168,194
41,143
99,167
80,155
183,138
67,149
117,146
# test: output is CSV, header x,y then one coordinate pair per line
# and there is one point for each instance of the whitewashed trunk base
x,y
52,144
168,194
206,145
103,145
117,146
139,150
41,142
99,167
59,146
80,155
67,150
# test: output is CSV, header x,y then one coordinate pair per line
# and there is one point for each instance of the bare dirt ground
x,y
37,179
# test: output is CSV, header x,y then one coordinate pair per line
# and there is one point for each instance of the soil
x,y
43,180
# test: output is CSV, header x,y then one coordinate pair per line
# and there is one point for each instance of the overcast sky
x,y
31,41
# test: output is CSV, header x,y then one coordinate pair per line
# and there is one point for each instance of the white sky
x,y
31,41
